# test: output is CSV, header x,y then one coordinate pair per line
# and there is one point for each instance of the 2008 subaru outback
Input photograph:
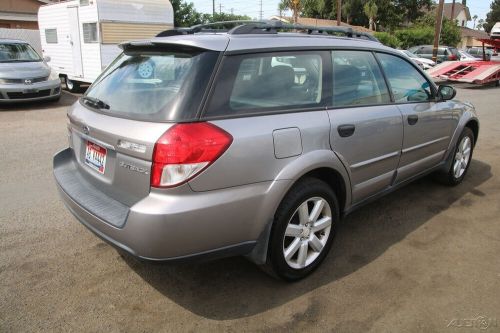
x,y
253,142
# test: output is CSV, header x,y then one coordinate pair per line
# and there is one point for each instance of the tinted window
x,y
164,85
407,84
90,33
357,79
426,50
267,82
51,36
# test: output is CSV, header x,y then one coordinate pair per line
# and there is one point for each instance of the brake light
x,y
185,150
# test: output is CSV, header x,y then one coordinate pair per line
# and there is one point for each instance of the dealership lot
x,y
424,258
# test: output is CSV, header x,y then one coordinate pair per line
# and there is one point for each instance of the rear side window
x,y
426,50
51,36
406,82
157,84
268,82
357,79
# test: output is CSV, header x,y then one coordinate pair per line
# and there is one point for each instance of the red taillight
x,y
184,150
452,57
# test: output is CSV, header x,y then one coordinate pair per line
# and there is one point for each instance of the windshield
x,y
157,85
18,52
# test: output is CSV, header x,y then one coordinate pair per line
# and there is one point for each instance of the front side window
x,y
158,84
357,79
90,33
51,36
268,82
406,82
18,52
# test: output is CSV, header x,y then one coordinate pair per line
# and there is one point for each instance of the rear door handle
x,y
346,130
412,119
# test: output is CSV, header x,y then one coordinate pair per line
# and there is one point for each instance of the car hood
x,y
426,61
23,70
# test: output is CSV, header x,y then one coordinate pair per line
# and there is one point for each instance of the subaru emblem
x,y
27,81
86,129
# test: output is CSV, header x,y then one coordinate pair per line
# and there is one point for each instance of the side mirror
x,y
445,93
46,58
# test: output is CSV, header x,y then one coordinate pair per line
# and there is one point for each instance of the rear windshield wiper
x,y
96,103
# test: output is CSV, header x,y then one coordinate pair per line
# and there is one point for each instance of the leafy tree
x,y
415,36
387,39
474,18
413,9
296,6
370,9
184,14
493,16
450,32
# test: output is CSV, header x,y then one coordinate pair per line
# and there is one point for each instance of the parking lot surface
x,y
423,259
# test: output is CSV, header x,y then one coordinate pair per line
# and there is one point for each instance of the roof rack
x,y
266,27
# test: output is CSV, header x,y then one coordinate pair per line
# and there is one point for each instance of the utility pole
x,y
437,29
232,11
339,9
452,11
213,8
260,11
220,8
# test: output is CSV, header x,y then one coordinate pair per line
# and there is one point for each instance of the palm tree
x,y
294,5
346,11
371,9
480,24
282,7
474,18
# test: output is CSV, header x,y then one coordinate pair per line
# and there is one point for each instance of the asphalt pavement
x,y
423,259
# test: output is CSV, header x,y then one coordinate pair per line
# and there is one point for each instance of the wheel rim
x,y
307,232
462,157
69,84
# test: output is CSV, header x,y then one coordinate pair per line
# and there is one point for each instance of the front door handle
x,y
412,119
346,130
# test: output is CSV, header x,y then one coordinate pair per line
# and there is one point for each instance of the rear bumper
x,y
177,225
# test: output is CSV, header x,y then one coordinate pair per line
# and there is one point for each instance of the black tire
x,y
449,177
304,190
72,86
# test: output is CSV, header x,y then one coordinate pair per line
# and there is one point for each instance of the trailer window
x,y
90,33
51,36
84,3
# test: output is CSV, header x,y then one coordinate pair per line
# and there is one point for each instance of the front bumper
x,y
12,93
174,225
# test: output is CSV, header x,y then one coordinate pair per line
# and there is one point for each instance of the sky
x,y
270,7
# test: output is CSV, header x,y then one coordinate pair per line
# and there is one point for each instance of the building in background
x,y
470,37
20,14
461,13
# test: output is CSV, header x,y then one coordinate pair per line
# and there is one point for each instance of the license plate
x,y
95,157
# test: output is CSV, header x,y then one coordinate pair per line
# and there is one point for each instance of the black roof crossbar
x,y
267,27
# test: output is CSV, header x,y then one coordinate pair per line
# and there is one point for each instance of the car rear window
x,y
268,82
154,84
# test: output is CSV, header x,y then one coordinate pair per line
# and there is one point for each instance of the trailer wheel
x,y
72,86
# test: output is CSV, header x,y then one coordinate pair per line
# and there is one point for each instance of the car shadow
x,y
234,288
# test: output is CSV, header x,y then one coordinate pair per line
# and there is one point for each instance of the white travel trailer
x,y
81,36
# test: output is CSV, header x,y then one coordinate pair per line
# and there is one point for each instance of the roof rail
x,y
267,27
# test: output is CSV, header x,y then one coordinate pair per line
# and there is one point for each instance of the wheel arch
x,y
473,124
321,164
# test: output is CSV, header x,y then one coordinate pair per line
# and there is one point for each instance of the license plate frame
x,y
95,156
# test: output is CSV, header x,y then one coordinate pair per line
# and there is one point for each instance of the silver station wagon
x,y
204,143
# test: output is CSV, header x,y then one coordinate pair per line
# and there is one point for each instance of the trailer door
x,y
74,29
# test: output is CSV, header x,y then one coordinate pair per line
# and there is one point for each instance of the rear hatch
x,y
115,125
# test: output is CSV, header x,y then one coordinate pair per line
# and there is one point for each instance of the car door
x,y
427,124
366,128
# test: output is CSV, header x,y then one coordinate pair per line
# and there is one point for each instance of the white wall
x,y
149,11
56,17
91,53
